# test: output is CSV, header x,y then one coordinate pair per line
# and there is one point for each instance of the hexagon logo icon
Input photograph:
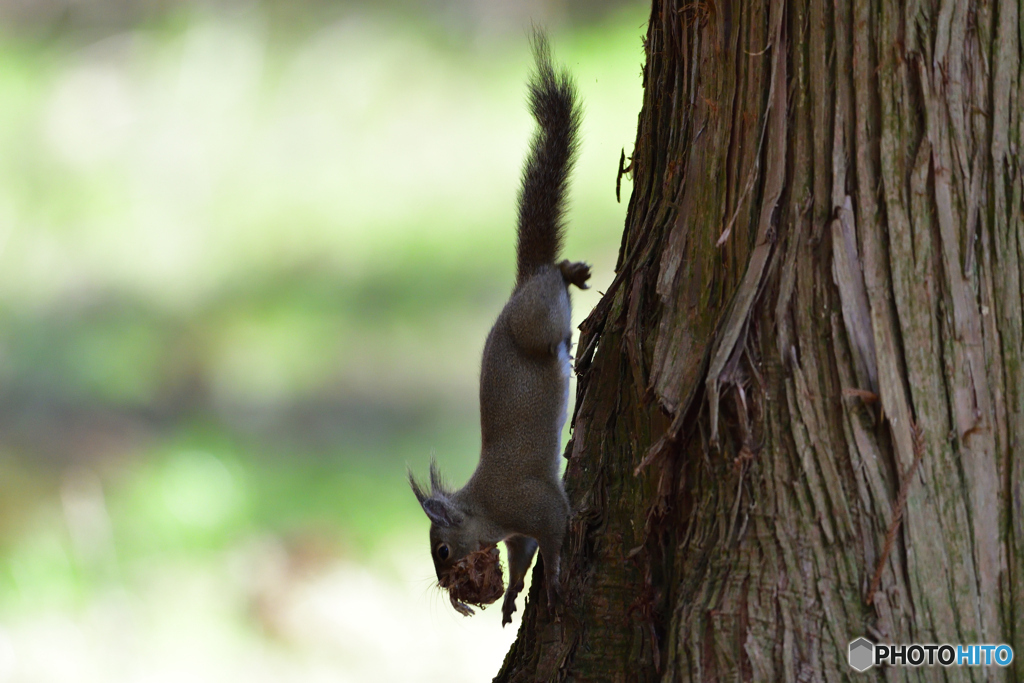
x,y
862,654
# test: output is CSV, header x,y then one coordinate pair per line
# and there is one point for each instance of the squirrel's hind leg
x,y
538,314
575,273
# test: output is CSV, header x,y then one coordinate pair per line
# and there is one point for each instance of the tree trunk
x,y
800,411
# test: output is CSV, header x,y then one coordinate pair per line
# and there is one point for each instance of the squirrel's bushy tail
x,y
552,99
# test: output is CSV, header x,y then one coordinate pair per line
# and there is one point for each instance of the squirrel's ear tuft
x,y
441,512
417,490
437,485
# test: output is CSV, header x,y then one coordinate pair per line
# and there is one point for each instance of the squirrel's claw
x,y
461,607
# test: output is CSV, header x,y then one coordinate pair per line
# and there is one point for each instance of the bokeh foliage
x,y
248,265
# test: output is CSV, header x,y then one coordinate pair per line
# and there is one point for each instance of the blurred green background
x,y
249,254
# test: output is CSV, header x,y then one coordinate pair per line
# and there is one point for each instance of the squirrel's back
x,y
524,375
553,103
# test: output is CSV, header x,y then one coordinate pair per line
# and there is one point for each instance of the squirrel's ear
x,y
417,491
441,512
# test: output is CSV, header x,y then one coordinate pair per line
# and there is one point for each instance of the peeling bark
x,y
800,410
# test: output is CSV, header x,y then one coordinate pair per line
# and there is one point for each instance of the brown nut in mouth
x,y
476,579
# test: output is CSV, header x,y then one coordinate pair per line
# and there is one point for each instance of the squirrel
x,y
516,494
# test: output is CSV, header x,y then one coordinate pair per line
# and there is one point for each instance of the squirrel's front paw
x,y
576,273
508,607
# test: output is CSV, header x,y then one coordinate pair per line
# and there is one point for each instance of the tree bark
x,y
800,408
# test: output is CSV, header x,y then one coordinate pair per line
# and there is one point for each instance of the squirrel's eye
x,y
442,551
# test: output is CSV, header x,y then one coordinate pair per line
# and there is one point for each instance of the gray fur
x,y
516,493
